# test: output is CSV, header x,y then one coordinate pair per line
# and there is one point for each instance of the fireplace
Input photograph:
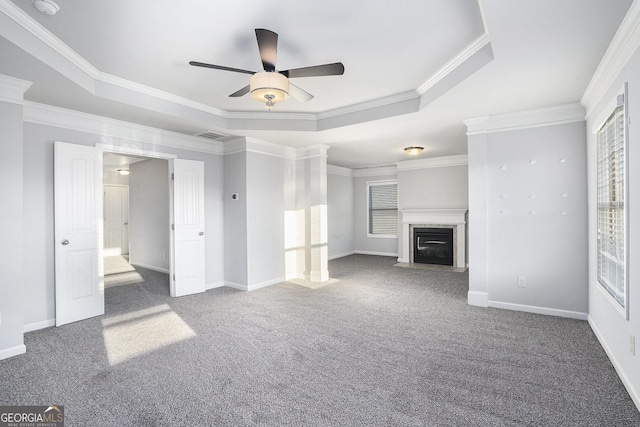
x,y
443,219
433,246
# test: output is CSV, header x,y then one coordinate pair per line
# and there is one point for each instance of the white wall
x,y
340,214
115,178
38,202
149,224
363,243
611,328
530,228
11,227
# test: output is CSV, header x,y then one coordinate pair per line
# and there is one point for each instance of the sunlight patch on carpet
x,y
131,335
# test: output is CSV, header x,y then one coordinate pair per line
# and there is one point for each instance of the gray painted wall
x,y
11,226
38,203
548,248
362,243
340,215
235,218
149,226
434,188
612,329
265,225
527,233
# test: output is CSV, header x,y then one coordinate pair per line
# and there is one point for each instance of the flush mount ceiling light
x,y
123,171
48,7
269,87
413,151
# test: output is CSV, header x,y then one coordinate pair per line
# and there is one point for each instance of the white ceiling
x,y
413,69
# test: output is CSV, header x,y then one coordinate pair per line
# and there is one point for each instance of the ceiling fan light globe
x,y
271,87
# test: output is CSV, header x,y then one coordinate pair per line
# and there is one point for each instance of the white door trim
x,y
108,148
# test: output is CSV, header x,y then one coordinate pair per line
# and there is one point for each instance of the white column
x,y
314,203
12,225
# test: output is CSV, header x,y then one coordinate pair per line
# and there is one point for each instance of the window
x,y
612,211
382,199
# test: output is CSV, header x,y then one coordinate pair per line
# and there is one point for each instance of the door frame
x,y
115,149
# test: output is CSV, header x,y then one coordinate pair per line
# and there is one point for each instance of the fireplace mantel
x,y
455,218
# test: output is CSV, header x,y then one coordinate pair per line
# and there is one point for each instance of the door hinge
x,y
173,226
172,176
174,277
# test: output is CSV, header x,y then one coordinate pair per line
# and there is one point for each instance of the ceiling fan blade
x,y
220,67
241,92
268,47
334,69
299,94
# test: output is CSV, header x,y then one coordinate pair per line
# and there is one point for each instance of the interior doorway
x,y
79,216
137,220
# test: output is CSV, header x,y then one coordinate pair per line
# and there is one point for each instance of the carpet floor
x,y
381,346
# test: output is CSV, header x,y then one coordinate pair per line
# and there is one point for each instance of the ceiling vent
x,y
211,135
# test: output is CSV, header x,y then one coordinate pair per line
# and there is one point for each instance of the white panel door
x,y
189,239
79,280
116,219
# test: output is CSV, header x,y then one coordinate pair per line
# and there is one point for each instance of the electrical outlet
x,y
632,344
522,282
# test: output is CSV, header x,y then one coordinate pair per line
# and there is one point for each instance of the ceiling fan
x,y
271,86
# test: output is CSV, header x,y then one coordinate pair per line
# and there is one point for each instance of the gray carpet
x,y
381,346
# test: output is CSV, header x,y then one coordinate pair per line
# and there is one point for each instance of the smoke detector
x,y
48,7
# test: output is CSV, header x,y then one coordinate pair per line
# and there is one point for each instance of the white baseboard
x,y
393,254
635,394
539,310
151,267
214,285
478,299
406,261
39,325
12,351
265,284
236,286
341,255
255,286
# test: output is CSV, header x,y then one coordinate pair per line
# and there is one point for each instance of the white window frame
x,y
621,99
368,186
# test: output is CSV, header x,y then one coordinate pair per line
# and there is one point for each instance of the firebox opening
x,y
433,246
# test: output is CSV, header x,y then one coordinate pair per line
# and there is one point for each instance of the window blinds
x,y
611,205
383,209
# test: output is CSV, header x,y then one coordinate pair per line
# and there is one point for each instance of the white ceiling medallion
x,y
48,7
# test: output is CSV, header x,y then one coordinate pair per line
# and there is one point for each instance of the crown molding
x,y
340,171
26,33
550,116
12,90
624,43
376,171
111,80
111,130
433,162
467,53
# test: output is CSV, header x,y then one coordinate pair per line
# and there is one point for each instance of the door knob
x,y
65,242
201,233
